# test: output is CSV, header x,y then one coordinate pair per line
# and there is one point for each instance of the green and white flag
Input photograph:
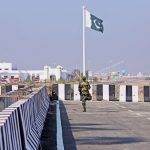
x,y
93,22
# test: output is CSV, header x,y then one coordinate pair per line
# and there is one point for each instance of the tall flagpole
x,y
84,66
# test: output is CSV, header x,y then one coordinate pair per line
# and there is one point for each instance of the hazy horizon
x,y
35,33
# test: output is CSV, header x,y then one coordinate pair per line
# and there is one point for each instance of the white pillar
x,y
61,92
14,87
106,92
91,90
135,93
122,93
76,93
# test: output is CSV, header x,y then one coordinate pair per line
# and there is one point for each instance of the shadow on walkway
x,y
48,137
109,140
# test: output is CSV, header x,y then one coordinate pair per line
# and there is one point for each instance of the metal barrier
x,y
21,123
6,101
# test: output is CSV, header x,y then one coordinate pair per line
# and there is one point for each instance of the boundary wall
x,y
107,92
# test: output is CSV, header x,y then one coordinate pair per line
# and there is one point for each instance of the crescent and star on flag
x,y
97,24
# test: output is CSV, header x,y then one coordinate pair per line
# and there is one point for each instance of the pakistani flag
x,y
93,22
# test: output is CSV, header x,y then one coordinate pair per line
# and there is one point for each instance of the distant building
x,y
6,66
10,74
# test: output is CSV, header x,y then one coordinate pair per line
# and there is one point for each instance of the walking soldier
x,y
83,88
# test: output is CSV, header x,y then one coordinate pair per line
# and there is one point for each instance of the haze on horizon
x,y
34,33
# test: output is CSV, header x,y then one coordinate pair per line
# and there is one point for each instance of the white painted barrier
x,y
91,90
134,96
76,93
14,87
135,93
106,92
123,93
61,91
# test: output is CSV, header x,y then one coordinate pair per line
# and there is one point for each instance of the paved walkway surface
x,y
106,126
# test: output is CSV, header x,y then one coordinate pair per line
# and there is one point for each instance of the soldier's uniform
x,y
83,88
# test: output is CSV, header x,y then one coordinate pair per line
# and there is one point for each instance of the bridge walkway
x,y
105,126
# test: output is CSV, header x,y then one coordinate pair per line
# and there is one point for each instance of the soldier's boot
x,y
84,107
84,110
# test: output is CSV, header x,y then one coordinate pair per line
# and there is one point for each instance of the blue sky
x,y
34,33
